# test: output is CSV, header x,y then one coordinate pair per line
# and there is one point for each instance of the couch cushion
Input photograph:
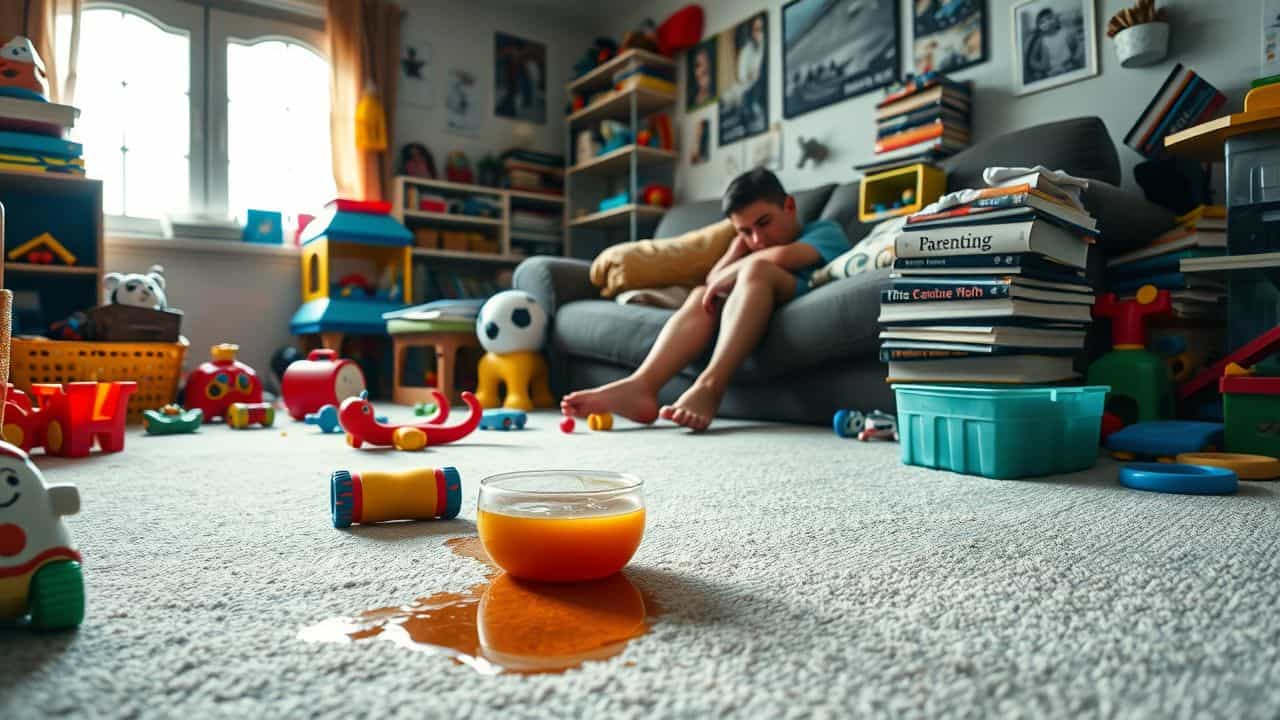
x,y
1080,146
688,216
833,322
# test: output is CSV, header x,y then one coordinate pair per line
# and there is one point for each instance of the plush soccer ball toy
x,y
136,289
511,321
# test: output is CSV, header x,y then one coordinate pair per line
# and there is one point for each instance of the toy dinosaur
x,y
812,149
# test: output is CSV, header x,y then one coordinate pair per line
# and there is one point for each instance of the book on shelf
x,y
1165,281
1024,264
1175,240
1184,99
923,116
946,289
938,95
910,351
995,335
890,161
534,236
1012,369
534,157
895,94
1157,264
1028,234
943,146
1205,217
32,116
29,143
919,134
987,205
1009,308
1230,262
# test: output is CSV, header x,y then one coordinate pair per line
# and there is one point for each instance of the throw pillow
x,y
873,251
683,260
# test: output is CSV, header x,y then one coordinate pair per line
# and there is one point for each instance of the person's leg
x,y
683,338
761,287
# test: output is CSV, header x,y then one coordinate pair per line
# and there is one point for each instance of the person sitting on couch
x,y
767,265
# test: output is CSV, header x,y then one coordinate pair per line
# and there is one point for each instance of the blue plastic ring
x,y
452,492
1179,478
341,504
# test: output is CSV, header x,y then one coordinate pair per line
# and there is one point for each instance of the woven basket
x,y
156,367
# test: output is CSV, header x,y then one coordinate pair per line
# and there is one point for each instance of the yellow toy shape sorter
x,y
511,328
40,574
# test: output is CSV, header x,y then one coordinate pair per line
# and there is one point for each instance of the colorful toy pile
x,y
31,127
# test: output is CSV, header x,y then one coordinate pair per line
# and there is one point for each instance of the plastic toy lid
x,y
224,351
1247,467
1179,478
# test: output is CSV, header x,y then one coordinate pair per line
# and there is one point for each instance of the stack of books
x,y
1185,99
922,122
992,291
31,137
640,75
536,231
1201,233
533,171
442,314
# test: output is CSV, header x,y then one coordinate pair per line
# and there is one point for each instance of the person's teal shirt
x,y
828,239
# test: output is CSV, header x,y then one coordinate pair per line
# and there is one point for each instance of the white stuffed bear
x,y
136,289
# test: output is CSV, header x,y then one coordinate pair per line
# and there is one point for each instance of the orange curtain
x,y
37,20
364,46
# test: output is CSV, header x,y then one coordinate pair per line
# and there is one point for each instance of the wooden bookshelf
x,y
619,160
616,105
454,219
21,267
497,258
601,77
617,216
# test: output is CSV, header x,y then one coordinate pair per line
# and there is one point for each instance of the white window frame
x,y
201,23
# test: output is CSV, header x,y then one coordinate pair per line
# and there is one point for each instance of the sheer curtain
x,y
39,20
364,47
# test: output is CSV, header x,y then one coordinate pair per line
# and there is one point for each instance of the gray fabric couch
x,y
820,352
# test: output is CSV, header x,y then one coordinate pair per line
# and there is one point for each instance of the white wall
x,y
1219,39
461,34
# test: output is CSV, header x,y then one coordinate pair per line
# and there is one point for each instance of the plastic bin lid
x,y
996,392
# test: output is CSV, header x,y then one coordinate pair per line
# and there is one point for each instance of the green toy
x,y
172,420
1141,387
423,409
1251,406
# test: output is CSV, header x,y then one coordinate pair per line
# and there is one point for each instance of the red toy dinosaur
x,y
358,419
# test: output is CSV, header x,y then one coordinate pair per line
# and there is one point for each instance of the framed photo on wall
x,y
700,83
1055,42
948,35
519,78
832,51
742,65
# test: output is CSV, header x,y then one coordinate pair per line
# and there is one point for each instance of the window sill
x,y
126,240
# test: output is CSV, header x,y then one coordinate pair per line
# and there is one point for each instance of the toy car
x,y
242,415
503,419
847,423
40,575
879,425
172,420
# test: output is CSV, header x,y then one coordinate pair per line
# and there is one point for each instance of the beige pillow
x,y
872,252
683,260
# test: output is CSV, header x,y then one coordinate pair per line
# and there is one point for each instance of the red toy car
x,y
216,384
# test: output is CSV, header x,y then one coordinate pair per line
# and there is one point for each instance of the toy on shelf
x,y
659,132
657,194
241,416
22,73
41,249
352,232
511,327
644,37
72,327
370,497
354,285
1141,387
848,423
489,171
1178,478
458,168
882,194
1161,439
40,576
67,419
616,135
322,379
1246,467
362,427
503,419
221,381
681,30
600,52
600,421
567,425
145,290
172,420
879,425
613,202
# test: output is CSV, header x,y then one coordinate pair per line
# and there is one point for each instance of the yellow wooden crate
x,y
879,192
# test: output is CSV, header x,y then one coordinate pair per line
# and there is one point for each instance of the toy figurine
x,y
1141,386
217,383
137,289
322,379
357,417
370,497
848,423
40,576
172,420
880,425
22,72
511,327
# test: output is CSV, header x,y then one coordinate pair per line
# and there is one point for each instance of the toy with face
x,y
216,384
21,69
137,289
39,569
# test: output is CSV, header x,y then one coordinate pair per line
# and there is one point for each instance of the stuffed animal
x,y
136,289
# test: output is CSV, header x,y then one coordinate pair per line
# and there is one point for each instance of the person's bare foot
x,y
628,397
695,408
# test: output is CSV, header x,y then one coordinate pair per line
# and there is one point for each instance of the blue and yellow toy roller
x,y
370,497
1179,478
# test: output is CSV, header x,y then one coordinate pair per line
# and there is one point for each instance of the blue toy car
x,y
503,419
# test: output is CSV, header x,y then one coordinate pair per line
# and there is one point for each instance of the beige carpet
x,y
800,573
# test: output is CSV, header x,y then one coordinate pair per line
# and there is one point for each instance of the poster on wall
x,y
415,74
520,79
462,101
833,50
700,143
948,35
1270,38
1055,42
743,79
700,83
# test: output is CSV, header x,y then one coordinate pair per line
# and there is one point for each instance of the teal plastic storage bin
x,y
1001,433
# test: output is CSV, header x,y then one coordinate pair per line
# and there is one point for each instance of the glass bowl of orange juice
x,y
561,525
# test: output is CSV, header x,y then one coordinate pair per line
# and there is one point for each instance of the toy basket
x,y
156,367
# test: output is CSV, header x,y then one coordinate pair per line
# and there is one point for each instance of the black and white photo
x,y
836,49
743,79
1055,43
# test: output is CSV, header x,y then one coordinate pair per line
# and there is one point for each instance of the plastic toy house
x,y
356,265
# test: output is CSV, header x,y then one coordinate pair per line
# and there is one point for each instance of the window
x,y
173,130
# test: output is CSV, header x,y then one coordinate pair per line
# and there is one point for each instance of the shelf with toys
x,y
620,159
620,104
618,216
601,78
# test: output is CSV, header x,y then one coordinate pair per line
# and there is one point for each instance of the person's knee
x,y
757,271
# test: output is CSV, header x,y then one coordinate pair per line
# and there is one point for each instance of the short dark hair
x,y
750,186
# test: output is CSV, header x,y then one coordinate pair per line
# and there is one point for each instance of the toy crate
x,y
156,367
1251,407
1001,433
880,195
128,323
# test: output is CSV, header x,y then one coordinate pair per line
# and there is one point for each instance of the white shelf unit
x,y
628,168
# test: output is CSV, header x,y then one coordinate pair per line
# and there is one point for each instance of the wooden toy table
x,y
446,338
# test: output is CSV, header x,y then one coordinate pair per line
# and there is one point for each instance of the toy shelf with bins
x,y
70,209
620,171
882,195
